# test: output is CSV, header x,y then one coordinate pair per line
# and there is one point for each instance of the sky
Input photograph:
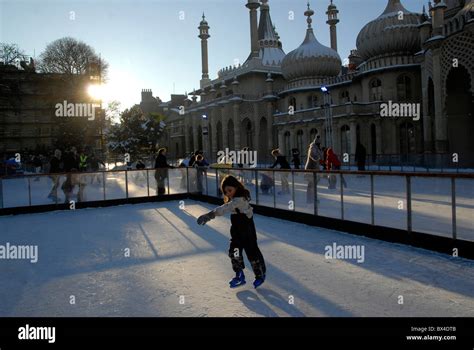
x,y
153,44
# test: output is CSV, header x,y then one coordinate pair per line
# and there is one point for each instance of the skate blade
x,y
237,285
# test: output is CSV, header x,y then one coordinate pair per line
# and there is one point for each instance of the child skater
x,y
242,232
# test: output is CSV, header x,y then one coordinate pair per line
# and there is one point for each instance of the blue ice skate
x,y
238,280
259,281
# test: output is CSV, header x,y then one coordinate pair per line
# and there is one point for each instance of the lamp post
x,y
205,132
327,116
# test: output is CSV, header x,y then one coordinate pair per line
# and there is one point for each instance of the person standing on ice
x,y
243,233
312,163
161,172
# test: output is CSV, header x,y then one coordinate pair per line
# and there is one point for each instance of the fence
x,y
438,204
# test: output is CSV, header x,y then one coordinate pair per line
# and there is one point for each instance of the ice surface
x,y
82,254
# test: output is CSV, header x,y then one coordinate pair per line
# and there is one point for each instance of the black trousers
x,y
244,238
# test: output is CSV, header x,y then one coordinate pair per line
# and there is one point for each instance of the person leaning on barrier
x,y
201,164
295,153
360,156
161,172
313,162
280,159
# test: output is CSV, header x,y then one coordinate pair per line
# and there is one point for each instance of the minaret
x,y
438,17
204,35
332,21
253,5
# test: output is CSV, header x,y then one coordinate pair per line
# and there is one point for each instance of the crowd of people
x,y
73,162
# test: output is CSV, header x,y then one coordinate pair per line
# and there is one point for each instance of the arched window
x,y
312,101
299,141
407,138
345,139
404,91
345,97
292,102
286,142
248,133
376,90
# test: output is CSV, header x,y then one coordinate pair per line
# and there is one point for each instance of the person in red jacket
x,y
333,163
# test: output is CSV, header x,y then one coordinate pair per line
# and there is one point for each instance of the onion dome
x,y
311,58
395,31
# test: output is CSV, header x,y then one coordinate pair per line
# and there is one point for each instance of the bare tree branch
x,y
70,56
11,54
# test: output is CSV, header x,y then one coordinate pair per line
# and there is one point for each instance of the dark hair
x,y
232,181
161,150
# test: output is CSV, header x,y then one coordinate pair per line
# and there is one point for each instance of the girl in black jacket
x,y
242,232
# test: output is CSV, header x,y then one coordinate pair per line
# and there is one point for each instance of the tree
x,y
70,56
11,54
136,133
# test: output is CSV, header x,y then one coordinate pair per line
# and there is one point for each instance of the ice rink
x,y
177,268
430,197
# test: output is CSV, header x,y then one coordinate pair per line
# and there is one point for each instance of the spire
x,y
308,13
270,47
332,22
266,30
253,5
394,6
204,35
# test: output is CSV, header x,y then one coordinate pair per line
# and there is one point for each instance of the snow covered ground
x,y
177,268
431,197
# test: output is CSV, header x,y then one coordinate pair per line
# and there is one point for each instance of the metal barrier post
x,y
293,189
103,184
409,217
342,196
315,192
372,206
256,186
187,179
453,206
29,191
126,183
147,183
274,190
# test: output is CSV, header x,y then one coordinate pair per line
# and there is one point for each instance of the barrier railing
x,y
439,204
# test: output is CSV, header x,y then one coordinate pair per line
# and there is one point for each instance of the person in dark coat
x,y
295,153
71,160
360,156
161,173
201,164
140,165
54,168
243,233
280,159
